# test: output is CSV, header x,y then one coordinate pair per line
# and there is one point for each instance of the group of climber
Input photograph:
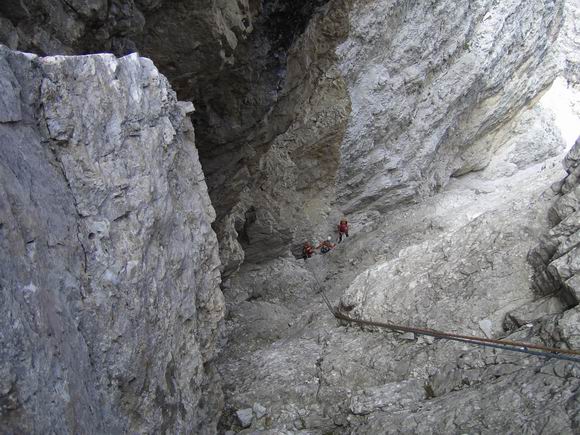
x,y
326,245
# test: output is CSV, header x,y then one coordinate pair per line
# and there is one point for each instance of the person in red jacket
x,y
342,229
307,250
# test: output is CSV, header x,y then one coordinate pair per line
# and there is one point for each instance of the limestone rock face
x,y
280,181
308,109
110,302
416,89
409,117
456,261
437,101
228,55
492,405
251,77
428,81
480,265
569,42
192,42
557,257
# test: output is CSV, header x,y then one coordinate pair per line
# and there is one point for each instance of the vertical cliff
x,y
428,82
380,103
556,258
111,306
398,95
252,78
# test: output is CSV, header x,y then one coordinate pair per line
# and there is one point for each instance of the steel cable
x,y
514,346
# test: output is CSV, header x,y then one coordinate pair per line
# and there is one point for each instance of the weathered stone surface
x,y
572,159
194,43
510,402
556,258
569,326
533,311
233,59
389,397
10,110
229,56
347,380
275,148
437,283
281,280
304,110
281,179
109,276
572,287
259,410
431,117
425,96
569,42
456,261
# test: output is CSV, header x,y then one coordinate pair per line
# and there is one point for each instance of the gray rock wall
x,y
110,305
556,258
111,308
570,42
414,92
428,81
194,43
250,75
227,55
283,179
456,261
310,109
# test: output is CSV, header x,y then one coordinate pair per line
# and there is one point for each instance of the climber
x,y
342,229
326,245
307,250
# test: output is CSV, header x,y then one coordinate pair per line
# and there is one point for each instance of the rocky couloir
x,y
423,122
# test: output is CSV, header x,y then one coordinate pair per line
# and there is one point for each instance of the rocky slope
x,y
110,302
396,107
456,262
